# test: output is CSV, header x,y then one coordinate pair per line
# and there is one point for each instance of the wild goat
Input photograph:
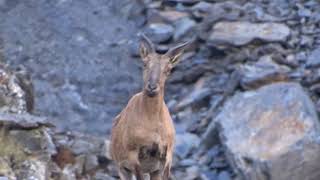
x,y
143,134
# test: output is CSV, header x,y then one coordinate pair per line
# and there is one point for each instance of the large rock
x,y
272,133
241,33
26,142
16,91
30,150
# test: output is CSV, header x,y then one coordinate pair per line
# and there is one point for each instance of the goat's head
x,y
157,66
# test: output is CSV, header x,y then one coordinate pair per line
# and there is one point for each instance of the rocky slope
x,y
72,49
244,99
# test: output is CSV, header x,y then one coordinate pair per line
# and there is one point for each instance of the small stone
x,y
318,105
198,94
105,151
219,163
182,27
79,165
68,173
154,16
172,16
291,61
32,170
192,173
171,104
263,72
208,175
224,175
5,169
214,151
313,60
304,12
306,41
81,146
187,162
162,48
205,160
241,33
202,7
301,57
91,162
155,5
187,2
311,77
134,49
102,176
210,137
24,121
190,75
7,5
4,178
179,175
159,32
315,88
185,143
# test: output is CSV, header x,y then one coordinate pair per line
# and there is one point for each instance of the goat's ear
x,y
146,46
175,53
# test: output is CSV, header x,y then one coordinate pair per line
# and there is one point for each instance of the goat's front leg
x,y
157,175
138,172
166,173
125,174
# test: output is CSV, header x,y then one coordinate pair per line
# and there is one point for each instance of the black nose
x,y
152,87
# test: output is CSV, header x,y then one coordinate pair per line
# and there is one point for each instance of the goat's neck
x,y
153,105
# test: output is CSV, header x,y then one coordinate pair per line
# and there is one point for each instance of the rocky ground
x,y
77,55
245,97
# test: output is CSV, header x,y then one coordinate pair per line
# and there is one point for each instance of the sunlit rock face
x,y
272,132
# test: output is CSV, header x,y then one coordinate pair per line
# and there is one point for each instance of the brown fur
x,y
142,139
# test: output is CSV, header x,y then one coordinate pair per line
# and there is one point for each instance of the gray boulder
x,y
272,133
241,33
16,91
28,145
